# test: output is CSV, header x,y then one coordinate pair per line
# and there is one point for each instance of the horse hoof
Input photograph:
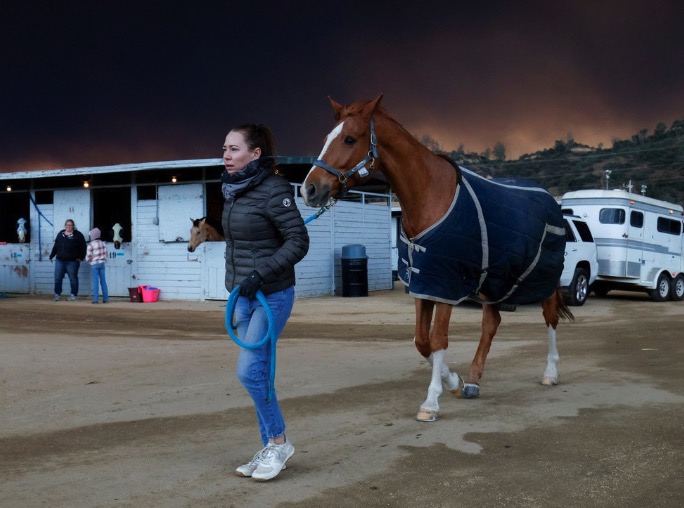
x,y
549,381
427,415
471,391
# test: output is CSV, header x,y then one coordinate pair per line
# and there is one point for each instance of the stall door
x,y
214,271
14,268
119,269
72,204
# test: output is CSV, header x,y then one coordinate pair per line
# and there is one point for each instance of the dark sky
x,y
88,83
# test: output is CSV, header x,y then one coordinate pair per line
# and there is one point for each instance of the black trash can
x,y
354,270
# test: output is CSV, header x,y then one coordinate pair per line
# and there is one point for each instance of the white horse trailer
x,y
639,241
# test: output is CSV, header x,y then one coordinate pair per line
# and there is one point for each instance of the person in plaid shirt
x,y
96,255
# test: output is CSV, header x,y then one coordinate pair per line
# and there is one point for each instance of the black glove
x,y
251,285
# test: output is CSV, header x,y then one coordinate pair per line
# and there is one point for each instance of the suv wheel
x,y
579,287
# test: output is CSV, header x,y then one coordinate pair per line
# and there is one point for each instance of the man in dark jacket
x,y
69,249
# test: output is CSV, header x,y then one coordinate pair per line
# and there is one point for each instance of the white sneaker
x,y
273,461
58,298
246,470
72,298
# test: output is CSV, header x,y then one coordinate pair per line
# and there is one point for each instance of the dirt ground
x,y
137,405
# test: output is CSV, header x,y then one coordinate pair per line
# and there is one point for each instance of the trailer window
x,y
612,216
636,219
669,226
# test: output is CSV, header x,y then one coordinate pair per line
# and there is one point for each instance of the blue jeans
x,y
97,272
253,368
69,268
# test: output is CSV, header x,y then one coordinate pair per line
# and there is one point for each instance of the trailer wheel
x,y
579,287
662,290
677,293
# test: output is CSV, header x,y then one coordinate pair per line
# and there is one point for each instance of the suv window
x,y
569,234
583,231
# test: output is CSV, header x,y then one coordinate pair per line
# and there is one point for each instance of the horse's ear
x,y
337,107
376,102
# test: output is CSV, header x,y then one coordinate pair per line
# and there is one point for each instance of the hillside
x,y
655,161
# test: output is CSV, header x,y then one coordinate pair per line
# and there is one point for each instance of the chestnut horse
x,y
201,231
366,139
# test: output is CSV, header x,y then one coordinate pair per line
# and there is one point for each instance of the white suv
x,y
581,263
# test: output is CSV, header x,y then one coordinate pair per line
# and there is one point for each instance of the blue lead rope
x,y
320,212
270,332
269,337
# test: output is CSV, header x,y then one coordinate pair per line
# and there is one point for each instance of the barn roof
x,y
135,167
293,168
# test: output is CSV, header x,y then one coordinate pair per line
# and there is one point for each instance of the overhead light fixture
x,y
86,183
173,179
9,188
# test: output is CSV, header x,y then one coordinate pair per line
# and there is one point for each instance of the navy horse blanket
x,y
503,238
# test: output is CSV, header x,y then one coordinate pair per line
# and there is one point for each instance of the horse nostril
x,y
307,191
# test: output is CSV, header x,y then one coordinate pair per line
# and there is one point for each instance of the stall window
x,y
15,210
112,205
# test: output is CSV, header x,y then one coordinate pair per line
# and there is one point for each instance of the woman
x,y
265,238
96,255
69,249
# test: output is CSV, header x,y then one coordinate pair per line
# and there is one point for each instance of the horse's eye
x,y
349,140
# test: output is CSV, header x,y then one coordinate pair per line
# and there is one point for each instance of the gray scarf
x,y
235,183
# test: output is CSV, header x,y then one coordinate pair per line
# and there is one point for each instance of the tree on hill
x,y
655,161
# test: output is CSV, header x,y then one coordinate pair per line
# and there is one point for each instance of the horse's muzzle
x,y
315,196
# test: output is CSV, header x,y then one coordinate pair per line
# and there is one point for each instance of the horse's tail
x,y
564,312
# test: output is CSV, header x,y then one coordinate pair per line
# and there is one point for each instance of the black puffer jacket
x,y
69,248
264,232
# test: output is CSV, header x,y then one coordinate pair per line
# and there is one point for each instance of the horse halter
x,y
360,168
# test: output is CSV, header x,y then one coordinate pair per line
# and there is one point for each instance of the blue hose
x,y
269,337
270,332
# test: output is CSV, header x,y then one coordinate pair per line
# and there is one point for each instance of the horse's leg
x,y
432,343
490,323
451,380
550,312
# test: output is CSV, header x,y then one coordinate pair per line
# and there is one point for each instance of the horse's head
x,y
197,233
118,240
348,156
21,229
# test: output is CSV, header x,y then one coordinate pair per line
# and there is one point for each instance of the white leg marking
x,y
329,139
435,388
451,380
552,359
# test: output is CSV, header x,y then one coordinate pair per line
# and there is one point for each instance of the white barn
x,y
154,202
